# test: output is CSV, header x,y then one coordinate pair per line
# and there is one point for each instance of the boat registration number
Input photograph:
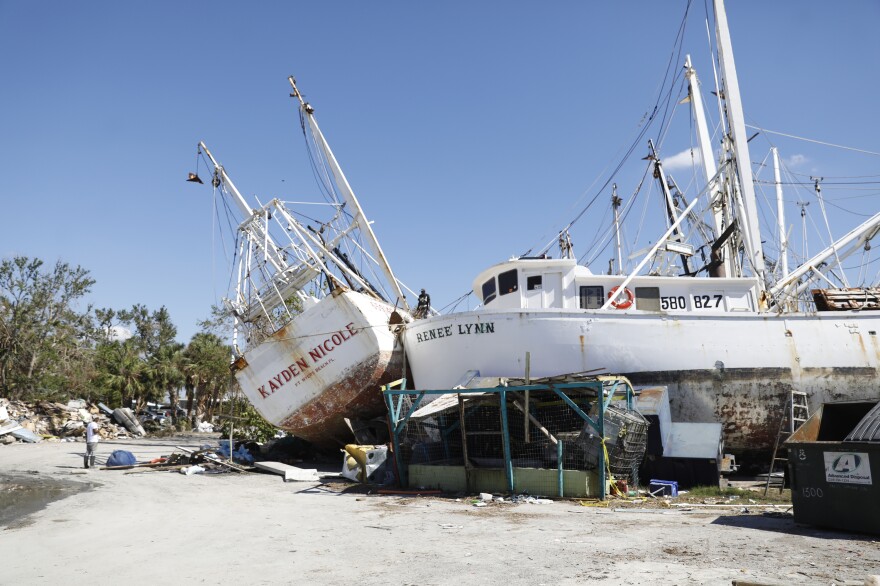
x,y
699,302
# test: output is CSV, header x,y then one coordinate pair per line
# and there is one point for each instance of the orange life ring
x,y
623,301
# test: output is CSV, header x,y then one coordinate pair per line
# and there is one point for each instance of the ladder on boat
x,y
795,413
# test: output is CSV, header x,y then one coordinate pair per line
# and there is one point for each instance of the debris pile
x,y
33,422
206,460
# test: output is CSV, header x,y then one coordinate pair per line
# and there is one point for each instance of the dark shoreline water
x,y
23,493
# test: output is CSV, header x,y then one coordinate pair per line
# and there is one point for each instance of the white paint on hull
x,y
733,368
322,349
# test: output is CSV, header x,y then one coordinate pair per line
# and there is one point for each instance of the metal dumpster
x,y
834,467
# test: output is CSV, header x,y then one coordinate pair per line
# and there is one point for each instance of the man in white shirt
x,y
92,438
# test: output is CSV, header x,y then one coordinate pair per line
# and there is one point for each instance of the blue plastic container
x,y
663,487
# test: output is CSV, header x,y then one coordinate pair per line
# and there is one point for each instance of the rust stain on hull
x,y
357,396
749,403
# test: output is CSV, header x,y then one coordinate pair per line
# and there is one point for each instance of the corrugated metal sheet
x,y
868,429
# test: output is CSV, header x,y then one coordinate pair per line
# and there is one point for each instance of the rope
x,y
614,488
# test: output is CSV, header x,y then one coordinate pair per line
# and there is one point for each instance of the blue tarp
x,y
121,458
241,454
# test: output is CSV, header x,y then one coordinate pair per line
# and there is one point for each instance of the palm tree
x,y
123,370
207,374
166,370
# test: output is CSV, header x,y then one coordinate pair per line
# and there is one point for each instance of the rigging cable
x,y
651,118
823,143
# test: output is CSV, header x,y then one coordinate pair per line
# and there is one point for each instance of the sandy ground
x,y
149,527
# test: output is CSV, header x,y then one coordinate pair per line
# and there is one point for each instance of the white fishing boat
x,y
312,303
731,338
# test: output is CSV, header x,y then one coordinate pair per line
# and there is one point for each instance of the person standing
x,y
92,438
424,307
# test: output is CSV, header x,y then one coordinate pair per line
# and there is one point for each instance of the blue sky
x,y
470,131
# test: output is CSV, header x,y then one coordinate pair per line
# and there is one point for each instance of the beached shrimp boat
x,y
729,332
312,305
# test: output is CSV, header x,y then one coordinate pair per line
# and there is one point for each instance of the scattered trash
x,y
663,487
207,454
25,435
240,455
485,497
290,473
76,404
126,418
480,504
419,492
34,422
206,427
190,470
362,463
529,499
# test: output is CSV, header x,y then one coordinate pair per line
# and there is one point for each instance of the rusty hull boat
x,y
326,364
313,337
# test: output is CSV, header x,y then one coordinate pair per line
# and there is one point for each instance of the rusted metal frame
x,y
579,411
401,423
536,423
397,425
467,463
598,426
445,431
526,401
611,393
505,441
559,468
395,437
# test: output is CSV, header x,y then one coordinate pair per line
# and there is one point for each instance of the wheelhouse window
x,y
488,291
533,283
648,298
592,297
508,282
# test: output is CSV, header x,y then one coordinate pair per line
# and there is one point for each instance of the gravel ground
x,y
143,527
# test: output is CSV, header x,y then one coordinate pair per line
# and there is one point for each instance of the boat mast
x,y
342,183
246,210
671,210
615,205
740,148
262,239
832,256
780,215
282,269
709,167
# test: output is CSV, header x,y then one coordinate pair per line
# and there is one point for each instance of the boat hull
x,y
734,369
326,364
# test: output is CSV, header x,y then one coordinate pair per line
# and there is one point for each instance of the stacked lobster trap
x,y
566,436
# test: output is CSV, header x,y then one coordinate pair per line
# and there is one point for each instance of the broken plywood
x,y
290,473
